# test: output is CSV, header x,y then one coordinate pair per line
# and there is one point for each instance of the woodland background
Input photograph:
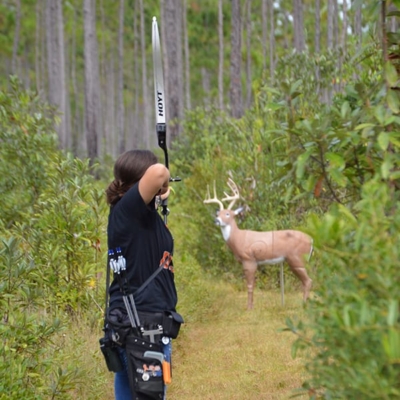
x,y
298,101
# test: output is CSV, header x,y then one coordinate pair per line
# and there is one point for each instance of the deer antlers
x,y
235,196
210,200
227,197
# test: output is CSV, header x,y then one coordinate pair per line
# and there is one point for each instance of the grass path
x,y
236,354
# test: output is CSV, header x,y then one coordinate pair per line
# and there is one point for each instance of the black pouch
x,y
172,324
110,354
145,361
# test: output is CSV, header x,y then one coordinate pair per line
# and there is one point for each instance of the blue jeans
x,y
122,389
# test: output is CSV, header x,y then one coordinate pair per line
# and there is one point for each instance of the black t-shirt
x,y
140,232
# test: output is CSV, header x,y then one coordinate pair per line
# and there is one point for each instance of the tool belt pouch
x,y
145,368
172,322
111,355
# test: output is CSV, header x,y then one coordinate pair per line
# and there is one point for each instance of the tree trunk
x,y
286,23
107,142
299,43
120,90
343,40
221,55
145,93
344,26
137,139
264,24
336,39
248,55
335,24
38,47
317,40
271,39
317,27
65,128
331,10
78,145
110,120
16,37
235,91
92,81
56,64
172,21
187,57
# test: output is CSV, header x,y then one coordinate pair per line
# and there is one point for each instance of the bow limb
x,y
159,96
160,109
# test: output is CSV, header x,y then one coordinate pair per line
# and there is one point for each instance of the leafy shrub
x,y
28,142
353,330
52,236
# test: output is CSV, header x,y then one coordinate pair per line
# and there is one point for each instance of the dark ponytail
x,y
128,169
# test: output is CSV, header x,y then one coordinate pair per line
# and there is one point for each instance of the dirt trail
x,y
239,354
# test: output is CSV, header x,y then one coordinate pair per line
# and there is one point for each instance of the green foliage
x,y
27,142
51,232
66,233
354,325
27,334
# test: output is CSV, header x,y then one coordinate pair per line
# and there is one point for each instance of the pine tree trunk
x,y
56,64
317,41
317,37
344,26
92,82
299,42
16,37
271,39
235,91
38,47
264,23
137,139
78,145
248,55
145,93
331,9
188,102
221,55
172,21
65,129
120,90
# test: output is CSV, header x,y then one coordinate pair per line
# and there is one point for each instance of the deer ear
x,y
238,210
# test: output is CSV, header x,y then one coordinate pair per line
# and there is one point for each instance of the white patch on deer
x,y
271,261
226,232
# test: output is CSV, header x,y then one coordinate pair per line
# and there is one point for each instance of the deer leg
x,y
250,269
299,270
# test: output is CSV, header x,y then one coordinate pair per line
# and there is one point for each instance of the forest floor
x,y
239,354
